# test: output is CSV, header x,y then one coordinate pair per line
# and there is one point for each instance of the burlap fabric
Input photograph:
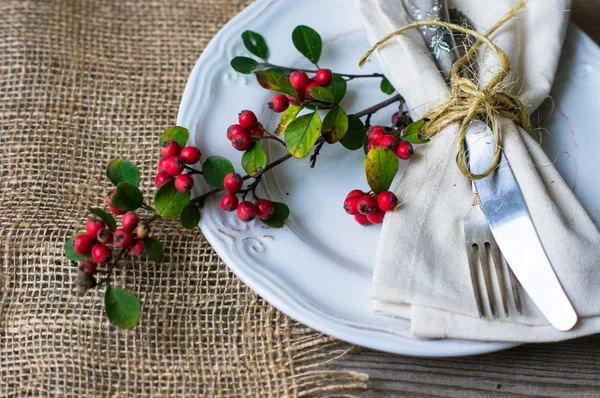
x,y
81,83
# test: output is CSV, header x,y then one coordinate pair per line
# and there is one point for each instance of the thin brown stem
x,y
371,110
192,171
318,146
272,137
348,76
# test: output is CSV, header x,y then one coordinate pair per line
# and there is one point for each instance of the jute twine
x,y
469,102
81,83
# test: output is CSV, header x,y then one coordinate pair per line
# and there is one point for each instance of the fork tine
x,y
497,258
514,284
485,269
472,257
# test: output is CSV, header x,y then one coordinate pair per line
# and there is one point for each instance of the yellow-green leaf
x,y
273,80
335,125
322,94
381,165
286,118
302,134
253,159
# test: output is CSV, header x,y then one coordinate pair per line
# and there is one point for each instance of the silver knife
x,y
502,201
508,216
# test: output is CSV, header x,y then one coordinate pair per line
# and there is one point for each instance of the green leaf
x,y
412,132
255,44
386,86
127,197
122,307
190,216
154,249
70,253
308,42
282,212
286,118
275,81
381,165
119,171
181,135
253,159
338,88
244,65
104,216
169,202
356,134
301,135
322,94
335,125
214,169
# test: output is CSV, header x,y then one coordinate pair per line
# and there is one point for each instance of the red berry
x,y
105,236
161,164
123,238
299,80
137,249
310,87
371,146
101,254
233,182
142,231
257,132
174,165
115,211
389,142
351,205
279,103
162,178
405,150
376,133
246,211
377,217
247,119
387,201
356,193
130,220
293,101
184,183
367,205
301,95
235,128
92,226
82,244
170,148
241,141
264,209
229,202
87,266
324,77
362,220
190,154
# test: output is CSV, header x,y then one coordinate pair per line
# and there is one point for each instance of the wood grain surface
x,y
568,369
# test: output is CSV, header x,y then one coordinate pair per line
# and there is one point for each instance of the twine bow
x,y
468,102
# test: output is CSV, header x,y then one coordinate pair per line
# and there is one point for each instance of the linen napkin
x,y
421,270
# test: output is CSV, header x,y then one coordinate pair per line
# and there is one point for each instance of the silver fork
x,y
481,246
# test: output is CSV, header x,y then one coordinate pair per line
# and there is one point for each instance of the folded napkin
x,y
421,270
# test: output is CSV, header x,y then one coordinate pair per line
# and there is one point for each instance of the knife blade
x,y
510,221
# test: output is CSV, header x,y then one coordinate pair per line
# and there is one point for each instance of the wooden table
x,y
566,369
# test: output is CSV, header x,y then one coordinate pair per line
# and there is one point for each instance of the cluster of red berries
x,y
97,237
172,165
380,136
247,131
369,208
246,210
302,84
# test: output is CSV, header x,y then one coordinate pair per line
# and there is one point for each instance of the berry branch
x,y
371,110
346,75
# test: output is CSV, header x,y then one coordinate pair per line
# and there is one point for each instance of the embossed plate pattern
x,y
317,269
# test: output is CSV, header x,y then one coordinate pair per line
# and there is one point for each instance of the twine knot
x,y
469,102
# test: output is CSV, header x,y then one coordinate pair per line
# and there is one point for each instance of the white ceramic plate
x,y
317,269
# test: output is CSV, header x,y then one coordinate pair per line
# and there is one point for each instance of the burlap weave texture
x,y
81,83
